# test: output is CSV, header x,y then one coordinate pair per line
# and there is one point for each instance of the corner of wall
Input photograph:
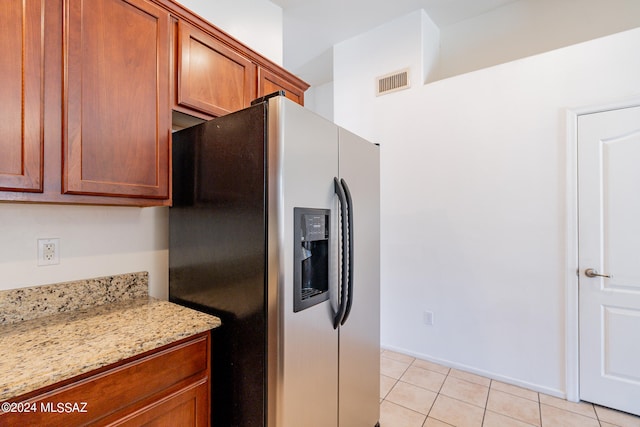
x,y
319,99
430,48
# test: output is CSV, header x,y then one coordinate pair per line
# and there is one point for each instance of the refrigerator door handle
x,y
350,246
342,307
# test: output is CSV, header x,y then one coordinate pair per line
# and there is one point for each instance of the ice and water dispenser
x,y
311,257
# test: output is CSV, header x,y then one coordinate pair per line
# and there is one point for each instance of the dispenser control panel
x,y
315,228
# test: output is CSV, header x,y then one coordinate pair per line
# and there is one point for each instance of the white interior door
x,y
609,258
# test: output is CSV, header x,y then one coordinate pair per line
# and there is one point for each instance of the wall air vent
x,y
393,82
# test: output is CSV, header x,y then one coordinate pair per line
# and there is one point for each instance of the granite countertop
x,y
39,350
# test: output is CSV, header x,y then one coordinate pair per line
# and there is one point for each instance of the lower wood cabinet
x,y
176,410
166,387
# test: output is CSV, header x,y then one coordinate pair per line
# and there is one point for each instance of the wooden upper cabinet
x,y
116,132
97,129
211,78
22,95
269,82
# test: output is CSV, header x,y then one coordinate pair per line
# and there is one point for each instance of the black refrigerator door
x,y
217,253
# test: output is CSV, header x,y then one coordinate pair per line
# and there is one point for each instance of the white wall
x,y
358,61
319,99
256,23
529,27
473,199
506,33
94,242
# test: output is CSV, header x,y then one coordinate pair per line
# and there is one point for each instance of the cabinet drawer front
x,y
21,92
186,407
117,389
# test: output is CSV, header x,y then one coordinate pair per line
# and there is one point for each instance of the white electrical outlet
x,y
427,317
48,251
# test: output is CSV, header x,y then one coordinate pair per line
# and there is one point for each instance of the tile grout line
x,y
597,416
437,393
407,408
486,403
506,415
439,390
426,416
540,408
484,408
396,381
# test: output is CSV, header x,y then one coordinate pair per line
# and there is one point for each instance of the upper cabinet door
x,y
212,78
22,95
116,99
269,82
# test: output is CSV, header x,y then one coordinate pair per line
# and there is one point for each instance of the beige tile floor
x,y
417,393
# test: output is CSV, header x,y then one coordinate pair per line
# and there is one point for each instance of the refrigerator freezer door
x,y
359,404
302,162
217,252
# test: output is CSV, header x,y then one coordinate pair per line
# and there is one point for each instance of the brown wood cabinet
x,y
117,119
269,82
21,92
87,95
211,78
167,386
77,126
215,74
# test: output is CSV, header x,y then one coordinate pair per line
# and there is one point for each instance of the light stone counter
x,y
75,337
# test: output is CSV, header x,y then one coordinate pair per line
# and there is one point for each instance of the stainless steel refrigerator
x,y
275,228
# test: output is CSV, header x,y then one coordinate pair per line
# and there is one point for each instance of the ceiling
x,y
311,27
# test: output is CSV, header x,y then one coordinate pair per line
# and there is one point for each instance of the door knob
x,y
591,272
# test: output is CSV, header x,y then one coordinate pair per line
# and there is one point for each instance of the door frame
x,y
572,274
